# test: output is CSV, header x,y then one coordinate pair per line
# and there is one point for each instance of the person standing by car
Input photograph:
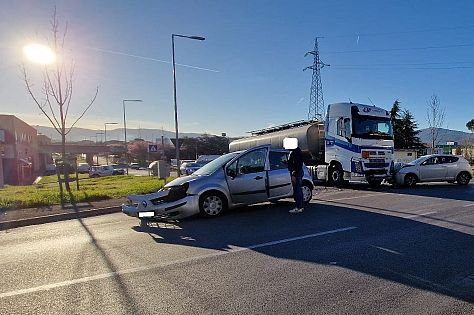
x,y
295,167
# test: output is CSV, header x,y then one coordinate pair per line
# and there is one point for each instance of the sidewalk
x,y
22,217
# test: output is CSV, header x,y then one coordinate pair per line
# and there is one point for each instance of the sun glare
x,y
39,54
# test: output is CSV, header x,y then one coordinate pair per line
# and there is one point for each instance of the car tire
x,y
212,204
336,176
463,178
410,180
307,193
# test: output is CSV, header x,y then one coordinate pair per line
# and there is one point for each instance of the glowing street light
x,y
40,54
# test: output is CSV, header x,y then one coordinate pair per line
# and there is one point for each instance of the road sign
x,y
152,148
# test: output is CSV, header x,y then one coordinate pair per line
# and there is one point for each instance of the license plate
x,y
147,214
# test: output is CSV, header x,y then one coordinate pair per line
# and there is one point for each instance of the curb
x,y
5,225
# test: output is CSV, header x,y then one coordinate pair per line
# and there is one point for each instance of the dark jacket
x,y
295,162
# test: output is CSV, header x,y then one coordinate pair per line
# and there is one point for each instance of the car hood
x,y
181,180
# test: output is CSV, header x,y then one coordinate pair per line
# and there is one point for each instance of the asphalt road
x,y
352,251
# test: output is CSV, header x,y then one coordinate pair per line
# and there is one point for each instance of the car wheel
x,y
374,183
336,176
463,178
307,192
410,180
212,204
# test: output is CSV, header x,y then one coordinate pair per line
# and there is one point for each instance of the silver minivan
x,y
256,175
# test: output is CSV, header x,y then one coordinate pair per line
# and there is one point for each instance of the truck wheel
x,y
336,176
211,204
374,183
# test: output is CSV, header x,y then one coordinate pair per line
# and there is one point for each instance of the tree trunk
x,y
65,164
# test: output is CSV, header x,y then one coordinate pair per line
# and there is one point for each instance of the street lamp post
x,y
174,94
105,140
125,129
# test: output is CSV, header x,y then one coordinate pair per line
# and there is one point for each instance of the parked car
x,y
118,169
239,178
191,168
50,169
134,166
435,168
83,168
102,170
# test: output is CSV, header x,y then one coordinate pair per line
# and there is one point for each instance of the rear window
x,y
453,159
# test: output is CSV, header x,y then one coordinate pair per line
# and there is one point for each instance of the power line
x,y
404,32
402,49
400,68
403,64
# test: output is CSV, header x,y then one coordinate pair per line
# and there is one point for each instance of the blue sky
x,y
382,50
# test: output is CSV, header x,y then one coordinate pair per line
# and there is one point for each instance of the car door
x,y
452,167
279,179
432,169
246,177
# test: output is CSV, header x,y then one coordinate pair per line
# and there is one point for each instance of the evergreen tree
x,y
470,125
409,133
396,121
405,131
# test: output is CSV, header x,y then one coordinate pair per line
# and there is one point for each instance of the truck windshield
x,y
372,128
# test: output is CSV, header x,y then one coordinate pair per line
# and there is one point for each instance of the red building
x,y
21,159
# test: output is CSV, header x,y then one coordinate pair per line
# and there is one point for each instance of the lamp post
x,y
174,94
105,140
125,129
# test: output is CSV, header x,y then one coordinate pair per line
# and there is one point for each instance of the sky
x,y
247,74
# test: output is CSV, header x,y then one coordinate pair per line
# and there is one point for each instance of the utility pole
x,y
316,101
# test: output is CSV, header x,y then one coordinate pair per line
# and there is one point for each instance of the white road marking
x,y
387,250
418,215
166,264
468,205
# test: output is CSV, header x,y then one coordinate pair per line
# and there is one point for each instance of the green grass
x,y
46,192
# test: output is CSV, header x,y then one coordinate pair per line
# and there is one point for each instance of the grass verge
x,y
46,192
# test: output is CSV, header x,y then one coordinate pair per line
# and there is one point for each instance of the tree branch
x,y
85,110
28,88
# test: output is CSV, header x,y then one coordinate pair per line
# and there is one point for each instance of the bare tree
x,y
435,119
54,98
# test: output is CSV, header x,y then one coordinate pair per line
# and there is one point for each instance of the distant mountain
x,y
78,134
445,135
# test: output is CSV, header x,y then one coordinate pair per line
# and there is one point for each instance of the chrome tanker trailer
x,y
355,143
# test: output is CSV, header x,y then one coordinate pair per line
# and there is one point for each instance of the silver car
x,y
240,178
435,168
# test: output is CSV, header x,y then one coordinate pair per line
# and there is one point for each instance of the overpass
x,y
88,149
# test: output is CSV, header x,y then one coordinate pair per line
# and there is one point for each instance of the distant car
x,y
99,171
256,175
435,168
134,166
50,169
83,168
118,169
190,168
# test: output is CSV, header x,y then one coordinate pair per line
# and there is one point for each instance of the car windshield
x,y
372,128
212,166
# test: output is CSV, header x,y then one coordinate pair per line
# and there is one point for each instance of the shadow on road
x,y
435,190
405,251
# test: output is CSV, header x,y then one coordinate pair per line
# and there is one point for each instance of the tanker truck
x,y
354,143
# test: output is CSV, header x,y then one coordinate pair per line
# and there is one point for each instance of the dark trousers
x,y
297,191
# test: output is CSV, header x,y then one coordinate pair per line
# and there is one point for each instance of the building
x,y
405,155
20,156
